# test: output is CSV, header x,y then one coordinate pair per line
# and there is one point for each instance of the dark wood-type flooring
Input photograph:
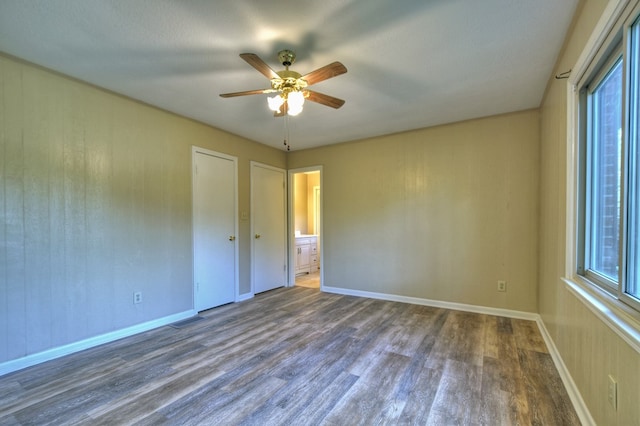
x,y
301,357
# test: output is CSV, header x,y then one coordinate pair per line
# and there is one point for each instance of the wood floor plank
x,y
461,339
295,359
59,385
299,356
547,397
244,401
458,398
527,336
375,317
416,369
495,400
155,395
406,338
338,310
491,337
368,399
309,389
9,391
211,406
315,411
278,338
419,395
298,364
511,374
504,325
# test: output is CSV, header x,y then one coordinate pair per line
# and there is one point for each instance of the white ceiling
x,y
411,63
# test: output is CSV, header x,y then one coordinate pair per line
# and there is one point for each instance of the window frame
x,y
619,312
617,48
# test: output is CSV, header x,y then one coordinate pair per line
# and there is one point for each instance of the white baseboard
x,y
578,403
436,303
574,394
30,360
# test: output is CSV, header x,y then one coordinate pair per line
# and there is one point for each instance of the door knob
x,y
257,236
232,238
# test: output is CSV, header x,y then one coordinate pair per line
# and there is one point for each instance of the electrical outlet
x,y
612,394
137,297
502,286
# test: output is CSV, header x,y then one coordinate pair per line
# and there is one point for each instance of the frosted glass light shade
x,y
295,101
275,102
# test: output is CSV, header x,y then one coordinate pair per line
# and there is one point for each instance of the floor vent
x,y
184,323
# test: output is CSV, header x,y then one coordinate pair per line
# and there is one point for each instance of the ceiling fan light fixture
x,y
294,111
275,102
295,100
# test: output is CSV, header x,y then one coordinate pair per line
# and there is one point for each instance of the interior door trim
x,y
291,216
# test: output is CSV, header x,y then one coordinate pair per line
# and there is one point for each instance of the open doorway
x,y
306,227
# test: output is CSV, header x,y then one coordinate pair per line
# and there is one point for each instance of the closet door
x,y
269,227
215,250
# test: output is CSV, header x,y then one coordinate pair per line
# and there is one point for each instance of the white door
x,y
269,225
214,229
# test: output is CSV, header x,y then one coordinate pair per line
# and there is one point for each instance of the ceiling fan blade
x,y
253,60
328,71
323,99
247,92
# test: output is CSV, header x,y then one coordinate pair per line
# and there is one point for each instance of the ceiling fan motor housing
x,y
289,80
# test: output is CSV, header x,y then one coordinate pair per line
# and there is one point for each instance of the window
x,y
609,170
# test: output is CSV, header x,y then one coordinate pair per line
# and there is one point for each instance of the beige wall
x,y
95,197
588,347
313,179
300,203
303,201
441,213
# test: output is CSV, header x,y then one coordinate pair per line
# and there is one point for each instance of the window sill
x,y
617,316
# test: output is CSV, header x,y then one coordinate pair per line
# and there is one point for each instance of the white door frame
x,y
316,209
194,151
291,215
284,218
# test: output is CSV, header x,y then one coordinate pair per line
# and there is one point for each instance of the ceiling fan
x,y
290,86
